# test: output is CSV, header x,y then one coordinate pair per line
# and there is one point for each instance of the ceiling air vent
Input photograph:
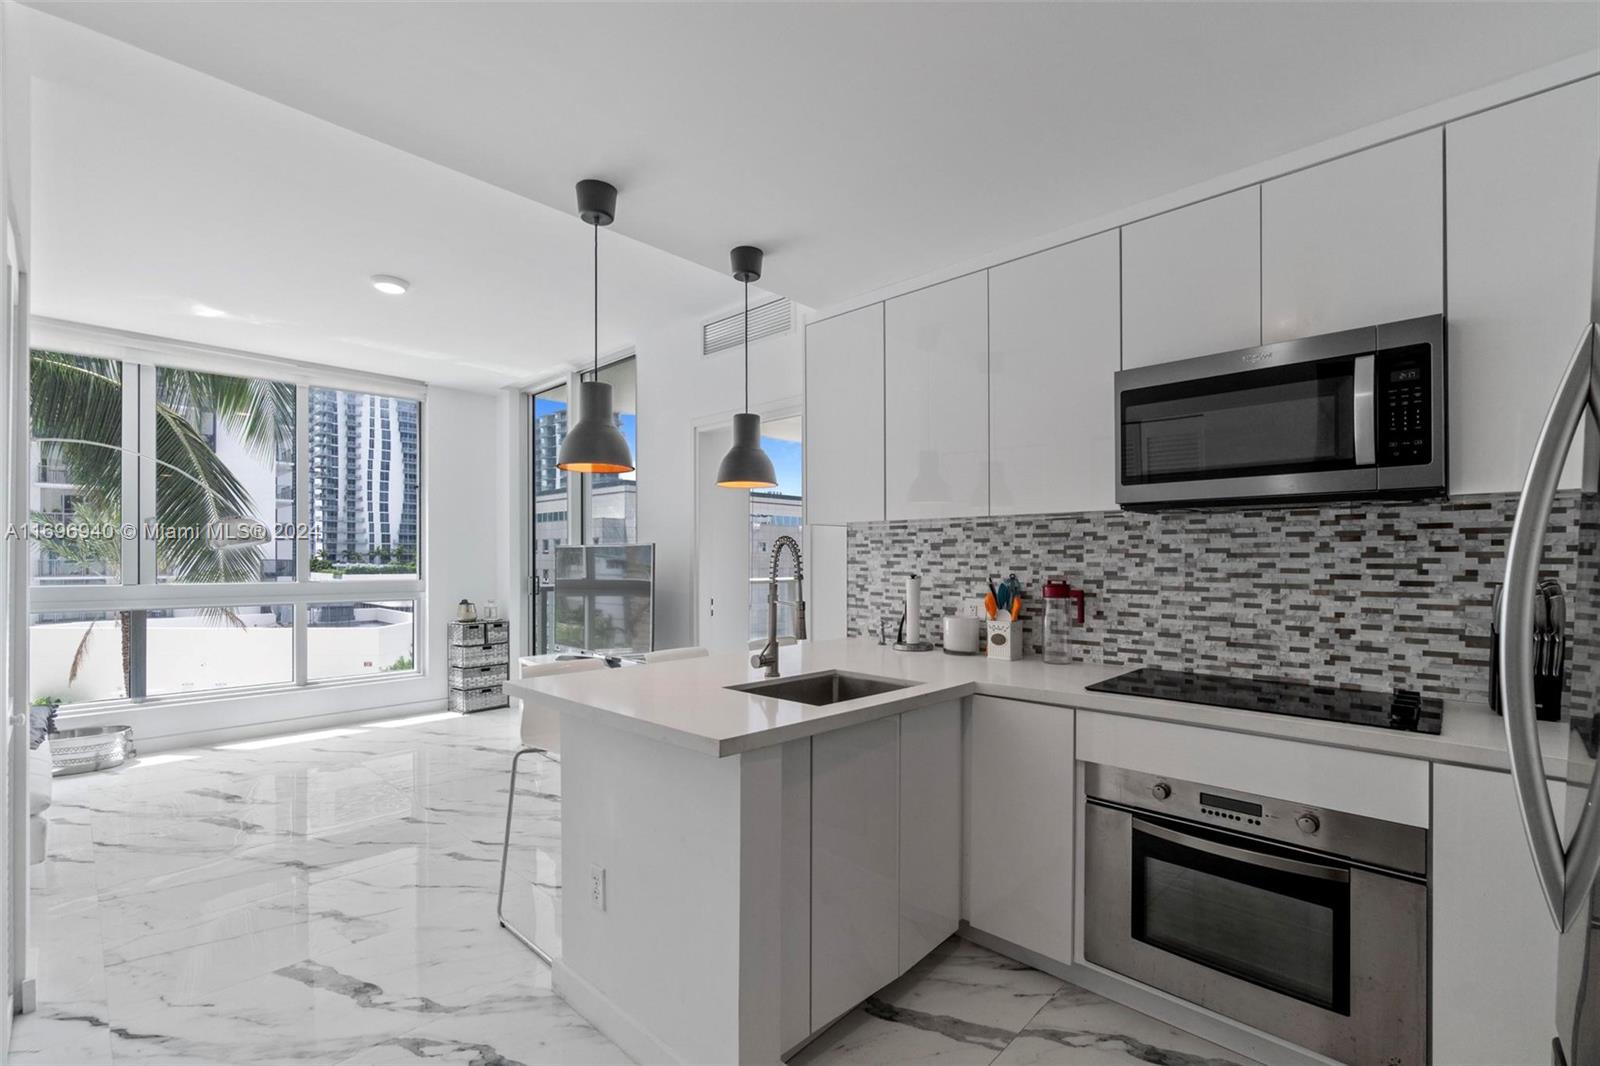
x,y
768,320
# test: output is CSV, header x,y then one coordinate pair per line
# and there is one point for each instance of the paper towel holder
x,y
913,604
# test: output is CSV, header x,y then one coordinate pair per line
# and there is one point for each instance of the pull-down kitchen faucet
x,y
768,655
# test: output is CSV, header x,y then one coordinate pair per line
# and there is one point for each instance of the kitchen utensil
x,y
991,606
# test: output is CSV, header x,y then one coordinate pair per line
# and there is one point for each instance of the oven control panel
x,y
1354,836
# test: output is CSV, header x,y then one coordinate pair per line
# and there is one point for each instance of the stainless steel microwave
x,y
1358,413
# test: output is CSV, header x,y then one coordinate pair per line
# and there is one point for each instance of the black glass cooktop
x,y
1401,709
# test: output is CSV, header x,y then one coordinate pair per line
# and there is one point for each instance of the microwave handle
x,y
1254,858
1366,412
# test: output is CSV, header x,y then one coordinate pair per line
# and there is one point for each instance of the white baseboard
x,y
1197,1021
617,1025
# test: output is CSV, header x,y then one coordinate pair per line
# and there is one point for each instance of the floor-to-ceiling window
x,y
611,501
552,506
775,512
594,509
194,532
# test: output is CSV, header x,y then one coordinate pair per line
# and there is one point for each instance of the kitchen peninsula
x,y
741,869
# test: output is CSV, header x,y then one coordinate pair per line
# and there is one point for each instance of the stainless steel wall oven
x,y
1305,923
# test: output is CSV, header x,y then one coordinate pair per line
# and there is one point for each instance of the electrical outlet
x,y
597,887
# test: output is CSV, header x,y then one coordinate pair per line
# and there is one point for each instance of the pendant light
x,y
746,466
595,445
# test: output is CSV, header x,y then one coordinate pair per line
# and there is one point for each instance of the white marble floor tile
x,y
960,1005
964,1004
326,900
1079,1028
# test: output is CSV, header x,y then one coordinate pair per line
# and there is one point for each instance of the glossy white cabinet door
x,y
1494,945
930,829
1521,229
855,872
1355,241
936,371
1052,356
1191,280
844,418
1020,811
827,605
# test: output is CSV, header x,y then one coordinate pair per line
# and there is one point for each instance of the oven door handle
x,y
1254,858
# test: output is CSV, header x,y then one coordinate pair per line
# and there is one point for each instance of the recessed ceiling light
x,y
208,312
390,285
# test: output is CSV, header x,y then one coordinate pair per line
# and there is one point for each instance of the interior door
x,y
722,548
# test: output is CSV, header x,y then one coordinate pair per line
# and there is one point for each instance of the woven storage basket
x,y
478,699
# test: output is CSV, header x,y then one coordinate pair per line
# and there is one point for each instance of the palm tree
x,y
76,412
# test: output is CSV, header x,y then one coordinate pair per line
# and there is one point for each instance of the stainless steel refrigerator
x,y
1565,849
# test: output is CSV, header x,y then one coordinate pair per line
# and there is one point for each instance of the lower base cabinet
x,y
930,830
855,871
1021,810
885,852
1494,944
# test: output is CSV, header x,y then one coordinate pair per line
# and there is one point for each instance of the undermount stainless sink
x,y
819,690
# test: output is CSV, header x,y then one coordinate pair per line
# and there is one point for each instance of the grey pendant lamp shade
x,y
746,466
595,445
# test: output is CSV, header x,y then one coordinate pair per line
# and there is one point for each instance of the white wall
x,y
679,389
14,224
464,467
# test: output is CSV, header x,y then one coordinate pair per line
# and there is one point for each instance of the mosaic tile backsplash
x,y
1369,594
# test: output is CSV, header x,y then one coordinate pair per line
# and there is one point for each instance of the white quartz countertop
x,y
688,703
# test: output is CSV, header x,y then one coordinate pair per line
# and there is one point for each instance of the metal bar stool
x,y
530,730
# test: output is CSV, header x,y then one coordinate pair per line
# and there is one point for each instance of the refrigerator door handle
x,y
1565,875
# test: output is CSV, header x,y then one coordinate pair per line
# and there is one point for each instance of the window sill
x,y
178,700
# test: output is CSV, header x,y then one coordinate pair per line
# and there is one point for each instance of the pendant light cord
x,y
747,347
596,227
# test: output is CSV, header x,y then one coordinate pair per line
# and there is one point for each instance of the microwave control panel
x,y
1405,407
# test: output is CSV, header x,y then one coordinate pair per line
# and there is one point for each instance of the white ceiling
x,y
157,189
861,144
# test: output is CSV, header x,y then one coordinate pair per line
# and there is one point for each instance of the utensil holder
x,y
1005,638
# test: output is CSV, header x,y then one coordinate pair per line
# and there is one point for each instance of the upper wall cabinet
x,y
844,418
1191,280
1052,355
936,368
1521,239
1355,241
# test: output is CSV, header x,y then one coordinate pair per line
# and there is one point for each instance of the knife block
x,y
1547,688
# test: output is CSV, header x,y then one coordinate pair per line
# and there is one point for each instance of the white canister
x,y
961,635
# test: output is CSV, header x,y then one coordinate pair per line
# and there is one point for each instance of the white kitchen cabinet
x,y
1355,241
1053,332
930,829
1020,797
844,418
936,374
1191,280
827,606
855,871
1494,945
1521,241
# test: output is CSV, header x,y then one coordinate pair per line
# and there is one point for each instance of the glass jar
x,y
1063,609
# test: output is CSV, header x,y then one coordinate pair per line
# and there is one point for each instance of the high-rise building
x,y
364,476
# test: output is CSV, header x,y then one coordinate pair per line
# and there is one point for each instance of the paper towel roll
x,y
913,609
